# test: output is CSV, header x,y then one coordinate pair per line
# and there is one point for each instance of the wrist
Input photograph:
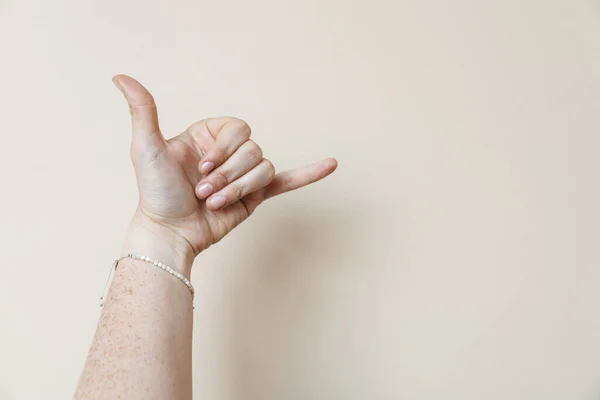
x,y
150,238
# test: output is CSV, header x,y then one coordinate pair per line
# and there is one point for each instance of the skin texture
x,y
193,190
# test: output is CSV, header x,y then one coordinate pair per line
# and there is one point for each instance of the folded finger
x,y
257,178
246,157
230,137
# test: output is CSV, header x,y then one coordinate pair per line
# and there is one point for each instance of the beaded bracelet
x,y
156,263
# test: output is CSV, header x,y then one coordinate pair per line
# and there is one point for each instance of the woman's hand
x,y
196,187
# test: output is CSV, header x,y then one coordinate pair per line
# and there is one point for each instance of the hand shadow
x,y
280,300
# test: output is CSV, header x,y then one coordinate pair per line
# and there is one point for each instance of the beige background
x,y
454,255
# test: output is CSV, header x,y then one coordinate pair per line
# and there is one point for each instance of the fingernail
x,y
206,167
117,83
217,202
205,190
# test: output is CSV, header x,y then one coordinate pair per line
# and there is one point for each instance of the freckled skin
x,y
142,349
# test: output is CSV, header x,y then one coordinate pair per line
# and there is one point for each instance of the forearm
x,y
142,347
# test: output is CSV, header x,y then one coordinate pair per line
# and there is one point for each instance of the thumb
x,y
144,117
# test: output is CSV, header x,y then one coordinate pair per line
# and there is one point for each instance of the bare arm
x,y
142,348
193,190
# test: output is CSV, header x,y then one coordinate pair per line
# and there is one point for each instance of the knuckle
x,y
236,191
270,168
219,178
254,151
147,102
240,126
218,154
197,126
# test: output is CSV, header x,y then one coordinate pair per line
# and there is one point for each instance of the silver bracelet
x,y
156,263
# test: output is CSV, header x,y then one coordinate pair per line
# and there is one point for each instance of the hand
x,y
196,187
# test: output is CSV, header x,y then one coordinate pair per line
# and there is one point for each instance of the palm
x,y
167,187
169,178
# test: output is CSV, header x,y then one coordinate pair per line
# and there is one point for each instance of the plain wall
x,y
455,254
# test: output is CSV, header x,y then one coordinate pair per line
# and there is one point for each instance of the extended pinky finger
x,y
297,178
255,179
